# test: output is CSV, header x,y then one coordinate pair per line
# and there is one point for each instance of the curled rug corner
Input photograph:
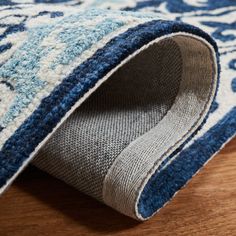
x,y
110,102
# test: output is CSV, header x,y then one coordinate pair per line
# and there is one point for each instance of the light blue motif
x,y
80,39
22,69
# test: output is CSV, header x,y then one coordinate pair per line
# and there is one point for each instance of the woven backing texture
x,y
124,108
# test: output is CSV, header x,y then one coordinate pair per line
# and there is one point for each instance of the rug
x,y
123,100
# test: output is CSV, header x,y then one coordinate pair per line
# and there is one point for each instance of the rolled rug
x,y
114,103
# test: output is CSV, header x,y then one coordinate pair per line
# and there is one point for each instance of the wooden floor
x,y
38,204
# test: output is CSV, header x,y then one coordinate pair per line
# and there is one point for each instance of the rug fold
x,y
105,101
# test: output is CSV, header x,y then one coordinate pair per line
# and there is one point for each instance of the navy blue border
x,y
167,181
54,107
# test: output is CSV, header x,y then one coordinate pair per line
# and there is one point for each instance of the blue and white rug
x,y
125,100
